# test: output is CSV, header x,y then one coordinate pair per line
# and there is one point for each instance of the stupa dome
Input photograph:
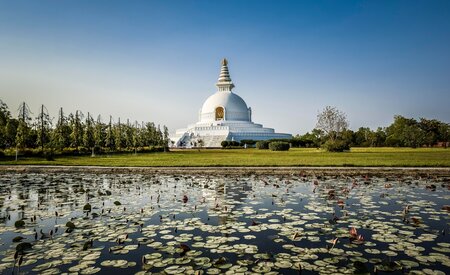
x,y
223,116
224,104
234,107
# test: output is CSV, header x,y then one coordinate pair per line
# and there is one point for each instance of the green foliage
x,y
43,132
262,144
88,135
230,144
22,134
279,146
61,133
76,136
248,142
73,136
337,145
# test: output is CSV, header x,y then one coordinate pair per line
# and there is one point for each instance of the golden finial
x,y
224,62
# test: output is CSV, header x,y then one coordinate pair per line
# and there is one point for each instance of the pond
x,y
140,224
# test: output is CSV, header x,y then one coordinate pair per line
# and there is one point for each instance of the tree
x,y
444,133
44,124
88,135
118,136
135,136
431,130
405,132
5,116
76,136
23,130
11,132
109,139
128,135
332,122
61,133
165,139
99,133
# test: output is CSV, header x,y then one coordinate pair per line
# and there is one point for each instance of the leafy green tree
x,y
405,132
76,136
99,133
380,137
22,134
88,135
5,116
431,129
444,133
11,132
109,138
128,135
23,129
44,124
61,133
362,137
118,136
165,138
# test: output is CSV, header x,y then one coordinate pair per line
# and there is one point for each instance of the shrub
x,y
262,144
233,143
336,146
279,146
230,144
249,142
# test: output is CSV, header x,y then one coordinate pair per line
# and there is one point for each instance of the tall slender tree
x,y
5,116
109,139
61,133
99,133
44,125
166,138
88,135
23,128
76,136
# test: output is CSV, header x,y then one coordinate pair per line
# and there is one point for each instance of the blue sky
x,y
159,60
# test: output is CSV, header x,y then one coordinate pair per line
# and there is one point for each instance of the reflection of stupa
x,y
224,116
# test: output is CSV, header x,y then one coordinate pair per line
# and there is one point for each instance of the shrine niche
x,y
220,113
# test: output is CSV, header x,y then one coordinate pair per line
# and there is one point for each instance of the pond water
x,y
150,224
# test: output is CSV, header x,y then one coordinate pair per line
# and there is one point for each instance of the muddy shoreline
x,y
350,171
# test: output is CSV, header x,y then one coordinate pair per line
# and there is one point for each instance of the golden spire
x,y
224,62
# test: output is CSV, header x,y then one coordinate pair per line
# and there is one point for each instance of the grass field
x,y
422,157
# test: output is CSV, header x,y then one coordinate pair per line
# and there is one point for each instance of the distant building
x,y
223,116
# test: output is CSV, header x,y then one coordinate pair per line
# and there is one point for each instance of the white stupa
x,y
223,116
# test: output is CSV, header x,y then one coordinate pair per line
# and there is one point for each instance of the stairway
x,y
213,141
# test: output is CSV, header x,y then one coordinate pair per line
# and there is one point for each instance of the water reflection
x,y
218,224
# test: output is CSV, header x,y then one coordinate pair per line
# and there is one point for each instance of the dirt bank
x,y
350,171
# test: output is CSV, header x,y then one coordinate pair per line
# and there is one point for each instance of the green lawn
x,y
425,157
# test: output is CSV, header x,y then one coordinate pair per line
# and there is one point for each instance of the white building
x,y
224,116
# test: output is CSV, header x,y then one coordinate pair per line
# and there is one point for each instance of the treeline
x,y
75,133
403,132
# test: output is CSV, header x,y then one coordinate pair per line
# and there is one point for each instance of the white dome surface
x,y
234,106
223,116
